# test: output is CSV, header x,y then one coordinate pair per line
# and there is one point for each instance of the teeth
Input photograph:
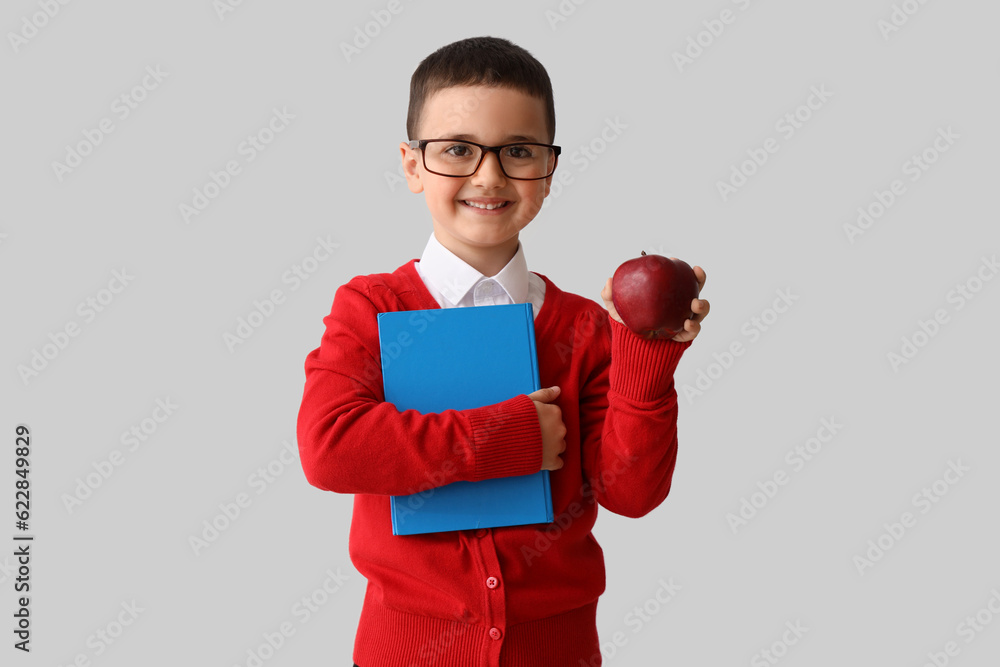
x,y
488,207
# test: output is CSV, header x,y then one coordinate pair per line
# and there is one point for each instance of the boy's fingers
x,y
691,331
544,394
700,308
699,274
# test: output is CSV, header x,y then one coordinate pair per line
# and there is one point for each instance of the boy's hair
x,y
488,61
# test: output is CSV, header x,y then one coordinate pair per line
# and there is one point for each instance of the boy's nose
x,y
490,169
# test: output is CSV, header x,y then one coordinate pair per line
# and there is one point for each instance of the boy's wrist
x,y
507,438
642,370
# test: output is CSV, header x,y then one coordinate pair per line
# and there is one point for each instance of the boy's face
x,y
490,116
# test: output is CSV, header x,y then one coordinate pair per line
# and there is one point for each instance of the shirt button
x,y
495,633
492,582
481,532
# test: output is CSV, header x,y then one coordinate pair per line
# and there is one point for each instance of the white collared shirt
x,y
455,284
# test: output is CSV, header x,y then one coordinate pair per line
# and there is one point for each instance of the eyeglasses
x,y
523,161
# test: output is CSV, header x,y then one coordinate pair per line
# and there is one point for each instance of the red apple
x,y
653,295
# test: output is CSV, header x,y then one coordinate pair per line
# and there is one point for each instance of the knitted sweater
x,y
521,596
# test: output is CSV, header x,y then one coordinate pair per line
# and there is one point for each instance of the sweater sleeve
x,y
628,425
352,441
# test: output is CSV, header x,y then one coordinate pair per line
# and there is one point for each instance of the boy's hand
x,y
553,428
692,326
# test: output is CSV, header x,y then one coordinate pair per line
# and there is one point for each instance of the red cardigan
x,y
517,595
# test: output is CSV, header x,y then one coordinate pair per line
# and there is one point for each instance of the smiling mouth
x,y
488,207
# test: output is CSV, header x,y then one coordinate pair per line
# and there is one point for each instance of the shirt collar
x,y
453,277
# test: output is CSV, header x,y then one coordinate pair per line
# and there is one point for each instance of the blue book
x,y
461,358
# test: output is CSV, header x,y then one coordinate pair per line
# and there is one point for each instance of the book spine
x,y
536,383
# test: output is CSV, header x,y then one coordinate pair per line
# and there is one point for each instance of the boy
x,y
604,422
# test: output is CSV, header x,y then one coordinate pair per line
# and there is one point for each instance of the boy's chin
x,y
484,233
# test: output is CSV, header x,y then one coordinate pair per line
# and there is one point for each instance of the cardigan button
x,y
495,633
492,582
481,532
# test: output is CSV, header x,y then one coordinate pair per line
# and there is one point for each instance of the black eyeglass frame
x,y
420,143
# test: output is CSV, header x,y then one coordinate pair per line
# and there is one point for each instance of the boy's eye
x,y
520,152
459,150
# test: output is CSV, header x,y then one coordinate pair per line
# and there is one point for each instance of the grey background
x,y
333,173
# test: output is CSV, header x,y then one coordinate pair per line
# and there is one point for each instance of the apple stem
x,y
643,252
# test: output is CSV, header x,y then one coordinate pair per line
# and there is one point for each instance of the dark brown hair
x,y
488,61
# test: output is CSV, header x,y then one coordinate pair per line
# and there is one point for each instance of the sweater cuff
x,y
642,370
502,436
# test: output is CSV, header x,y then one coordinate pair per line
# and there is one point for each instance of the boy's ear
x,y
411,159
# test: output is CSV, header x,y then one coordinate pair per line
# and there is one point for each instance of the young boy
x,y
604,423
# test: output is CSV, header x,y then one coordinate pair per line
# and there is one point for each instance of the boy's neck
x,y
488,261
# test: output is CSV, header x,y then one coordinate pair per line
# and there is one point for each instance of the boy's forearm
x,y
367,446
637,455
630,463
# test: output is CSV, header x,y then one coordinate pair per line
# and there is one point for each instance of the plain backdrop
x,y
751,137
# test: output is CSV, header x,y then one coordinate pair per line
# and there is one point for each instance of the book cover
x,y
461,358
